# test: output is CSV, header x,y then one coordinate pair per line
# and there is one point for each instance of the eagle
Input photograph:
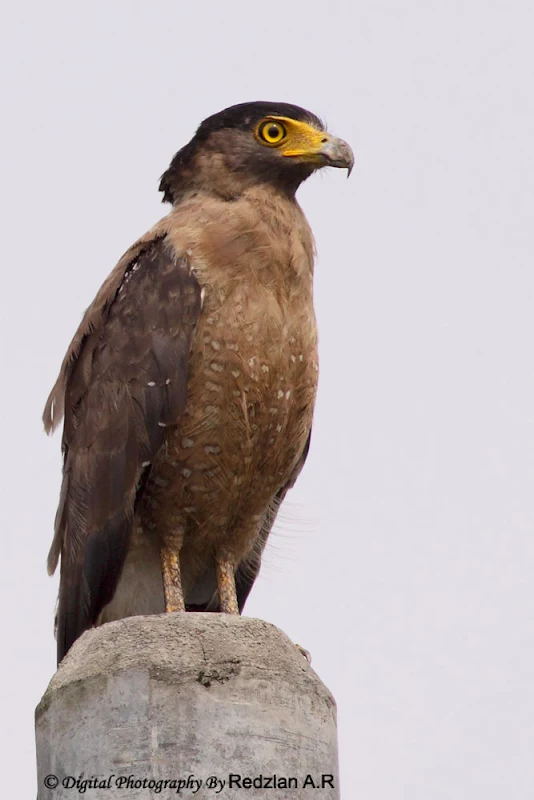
x,y
188,389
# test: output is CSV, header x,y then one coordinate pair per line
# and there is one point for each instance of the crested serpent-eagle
x,y
188,390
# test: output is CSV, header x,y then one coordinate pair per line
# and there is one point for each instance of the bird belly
x,y
251,392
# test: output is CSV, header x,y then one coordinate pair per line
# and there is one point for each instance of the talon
x,y
305,653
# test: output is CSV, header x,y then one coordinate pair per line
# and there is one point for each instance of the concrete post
x,y
216,705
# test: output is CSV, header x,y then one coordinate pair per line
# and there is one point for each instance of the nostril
x,y
324,141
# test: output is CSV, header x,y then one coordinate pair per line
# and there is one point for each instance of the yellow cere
x,y
294,138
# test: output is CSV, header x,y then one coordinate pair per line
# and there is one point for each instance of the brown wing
x,y
123,384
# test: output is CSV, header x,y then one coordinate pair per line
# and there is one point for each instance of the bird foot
x,y
226,586
305,653
172,581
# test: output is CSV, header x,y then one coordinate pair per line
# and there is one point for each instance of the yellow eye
x,y
272,132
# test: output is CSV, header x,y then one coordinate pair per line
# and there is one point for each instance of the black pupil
x,y
273,131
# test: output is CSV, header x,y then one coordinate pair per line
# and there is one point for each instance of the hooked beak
x,y
337,153
319,148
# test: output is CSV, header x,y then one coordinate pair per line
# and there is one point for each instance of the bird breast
x,y
252,377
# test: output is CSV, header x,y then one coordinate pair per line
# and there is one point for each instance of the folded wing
x,y
122,383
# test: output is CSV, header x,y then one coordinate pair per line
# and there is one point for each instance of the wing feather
x,y
123,381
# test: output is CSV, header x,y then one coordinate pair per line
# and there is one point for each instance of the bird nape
x,y
188,389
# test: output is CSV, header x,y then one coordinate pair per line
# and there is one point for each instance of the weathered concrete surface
x,y
186,697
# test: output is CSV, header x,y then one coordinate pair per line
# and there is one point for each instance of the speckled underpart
x,y
252,379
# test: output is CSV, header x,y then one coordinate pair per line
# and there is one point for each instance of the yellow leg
x,y
172,580
226,587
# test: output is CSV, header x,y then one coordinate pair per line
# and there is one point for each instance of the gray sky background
x,y
404,559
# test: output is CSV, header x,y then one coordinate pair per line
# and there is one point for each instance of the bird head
x,y
251,143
